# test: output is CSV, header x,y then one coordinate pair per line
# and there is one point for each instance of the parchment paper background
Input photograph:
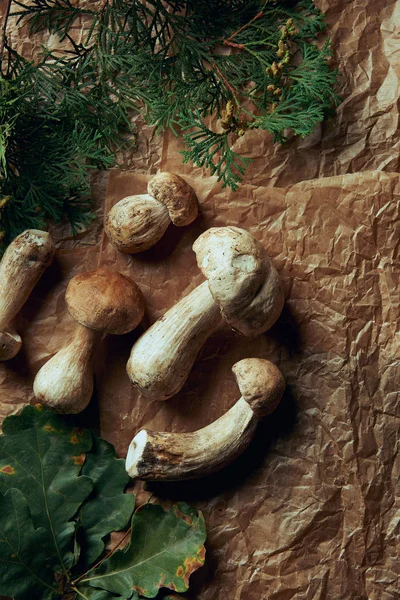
x,y
311,511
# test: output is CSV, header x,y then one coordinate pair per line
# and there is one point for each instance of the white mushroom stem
x,y
174,456
242,286
160,456
65,382
22,265
173,343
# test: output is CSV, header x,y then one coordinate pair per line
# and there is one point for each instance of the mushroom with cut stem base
x,y
160,456
242,285
136,223
101,301
23,263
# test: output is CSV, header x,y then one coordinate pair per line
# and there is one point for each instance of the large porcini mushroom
x,y
159,456
137,222
101,301
21,267
242,285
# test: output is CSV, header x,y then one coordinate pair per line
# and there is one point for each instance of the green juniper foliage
x,y
251,63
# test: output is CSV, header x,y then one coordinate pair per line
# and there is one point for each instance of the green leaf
x,y
165,548
26,554
42,455
107,509
91,593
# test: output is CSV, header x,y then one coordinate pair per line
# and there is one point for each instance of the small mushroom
x,y
21,267
101,301
137,222
242,285
159,456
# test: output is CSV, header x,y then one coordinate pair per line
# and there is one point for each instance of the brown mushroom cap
x,y
105,301
177,195
241,277
261,384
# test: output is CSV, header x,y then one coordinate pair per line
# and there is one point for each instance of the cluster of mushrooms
x,y
242,287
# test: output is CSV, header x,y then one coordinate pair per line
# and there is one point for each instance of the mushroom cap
x,y
241,277
136,223
105,301
261,384
177,195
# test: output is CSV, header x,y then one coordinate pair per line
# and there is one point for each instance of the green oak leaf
x,y
26,554
107,509
91,593
165,548
42,455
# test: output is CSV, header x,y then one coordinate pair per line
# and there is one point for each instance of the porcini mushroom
x,y
101,301
21,267
242,285
159,456
137,222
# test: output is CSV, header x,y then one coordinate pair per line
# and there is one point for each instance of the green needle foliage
x,y
61,495
247,63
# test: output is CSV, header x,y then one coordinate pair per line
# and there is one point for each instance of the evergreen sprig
x,y
252,64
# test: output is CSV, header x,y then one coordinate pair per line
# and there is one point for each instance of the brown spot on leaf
x,y
79,460
39,406
76,433
180,571
191,564
140,590
182,515
8,470
50,428
13,556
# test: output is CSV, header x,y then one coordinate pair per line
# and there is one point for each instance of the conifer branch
x,y
71,111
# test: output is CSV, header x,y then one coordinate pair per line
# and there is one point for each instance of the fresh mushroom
x,y
159,456
137,222
242,285
101,301
21,267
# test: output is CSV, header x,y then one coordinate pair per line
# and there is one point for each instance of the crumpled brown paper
x,y
311,510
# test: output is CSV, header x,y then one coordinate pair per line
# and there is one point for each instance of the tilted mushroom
x,y
137,222
242,285
159,456
101,301
21,267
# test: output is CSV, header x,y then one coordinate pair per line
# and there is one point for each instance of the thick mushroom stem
x,y
159,456
22,265
65,382
173,343
136,223
174,456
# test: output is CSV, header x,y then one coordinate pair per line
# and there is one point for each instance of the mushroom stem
x,y
101,301
242,286
173,343
22,265
175,456
160,456
65,382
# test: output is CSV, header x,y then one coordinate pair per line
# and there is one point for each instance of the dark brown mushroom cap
x,y
241,277
177,195
261,384
105,301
